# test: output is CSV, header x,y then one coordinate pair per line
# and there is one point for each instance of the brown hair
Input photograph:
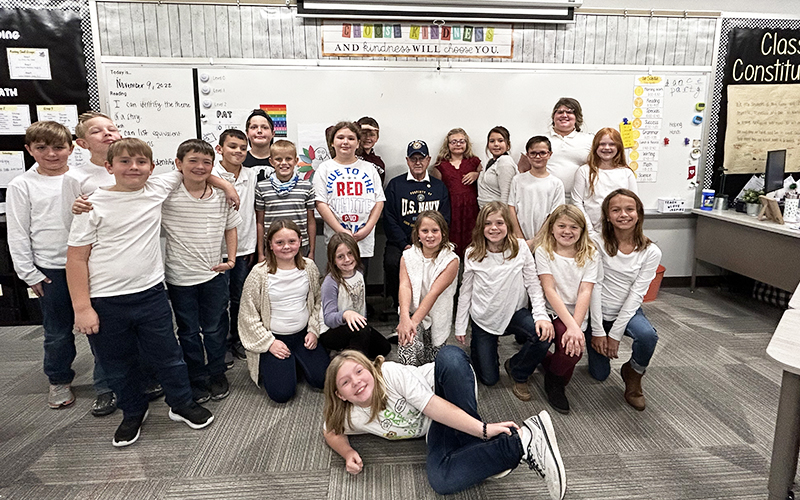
x,y
583,246
232,132
538,139
436,217
130,145
574,105
336,410
351,244
49,132
330,133
444,151
640,241
478,248
594,160
283,144
195,146
504,133
81,128
271,262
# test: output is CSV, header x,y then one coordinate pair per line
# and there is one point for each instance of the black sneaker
x,y
200,393
128,431
219,387
229,359
193,415
239,351
554,387
153,392
105,404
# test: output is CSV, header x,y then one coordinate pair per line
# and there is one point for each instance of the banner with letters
x,y
416,40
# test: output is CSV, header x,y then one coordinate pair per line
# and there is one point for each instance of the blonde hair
x,y
594,160
336,410
271,261
284,145
478,248
444,151
640,241
437,218
49,132
81,128
584,247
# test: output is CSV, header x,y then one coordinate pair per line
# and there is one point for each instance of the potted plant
x,y
750,197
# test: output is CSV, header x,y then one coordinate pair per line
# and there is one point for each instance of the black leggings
x,y
367,340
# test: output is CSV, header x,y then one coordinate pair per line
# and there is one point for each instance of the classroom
x,y
696,103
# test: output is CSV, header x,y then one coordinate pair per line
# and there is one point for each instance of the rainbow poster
x,y
278,114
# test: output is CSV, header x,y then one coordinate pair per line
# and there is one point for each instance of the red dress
x,y
463,201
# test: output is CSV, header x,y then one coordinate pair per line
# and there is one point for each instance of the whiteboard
x,y
424,103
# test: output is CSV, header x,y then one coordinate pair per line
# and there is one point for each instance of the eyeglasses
x,y
458,142
538,154
417,160
564,112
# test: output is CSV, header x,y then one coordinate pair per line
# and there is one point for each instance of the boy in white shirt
x,y
196,219
115,279
536,193
233,149
37,242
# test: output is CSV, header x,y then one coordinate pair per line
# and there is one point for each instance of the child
x,y
536,193
95,132
284,195
233,148
459,169
260,131
494,182
428,272
499,280
606,171
370,132
630,261
37,242
349,192
344,305
568,267
279,316
115,280
196,219
438,401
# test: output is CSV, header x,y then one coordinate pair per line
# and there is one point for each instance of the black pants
x,y
367,340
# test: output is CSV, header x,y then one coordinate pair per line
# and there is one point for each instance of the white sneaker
x,y
60,395
540,452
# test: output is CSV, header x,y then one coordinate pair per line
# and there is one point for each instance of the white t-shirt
x,y
123,229
194,229
568,278
607,181
569,153
625,280
288,297
428,277
494,183
83,179
534,198
351,191
36,236
495,288
245,186
409,389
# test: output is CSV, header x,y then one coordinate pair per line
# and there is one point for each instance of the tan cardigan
x,y
254,312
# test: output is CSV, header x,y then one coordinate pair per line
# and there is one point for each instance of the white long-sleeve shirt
x,y
83,179
494,183
607,181
493,289
621,287
36,234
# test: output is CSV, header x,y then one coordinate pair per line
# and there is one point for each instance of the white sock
x,y
525,436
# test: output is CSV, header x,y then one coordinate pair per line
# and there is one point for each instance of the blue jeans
x,y
279,376
644,338
133,324
235,279
57,319
198,309
484,349
457,460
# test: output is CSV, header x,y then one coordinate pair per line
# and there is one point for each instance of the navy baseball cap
x,y
417,147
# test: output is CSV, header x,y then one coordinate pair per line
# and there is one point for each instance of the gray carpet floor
x,y
707,433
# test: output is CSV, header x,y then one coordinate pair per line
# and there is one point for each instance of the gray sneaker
x,y
541,453
60,395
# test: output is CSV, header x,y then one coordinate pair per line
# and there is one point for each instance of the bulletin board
x,y
419,102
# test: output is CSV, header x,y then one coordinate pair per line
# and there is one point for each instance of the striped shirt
x,y
195,229
294,206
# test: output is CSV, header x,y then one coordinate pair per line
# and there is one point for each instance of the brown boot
x,y
520,389
633,386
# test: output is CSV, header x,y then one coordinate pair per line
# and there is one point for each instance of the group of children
x,y
241,279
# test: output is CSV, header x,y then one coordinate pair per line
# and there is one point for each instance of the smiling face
x,y
606,149
100,133
345,142
233,151
284,245
369,137
52,159
418,165
497,144
495,230
622,212
259,132
457,143
283,160
566,232
430,235
195,166
538,154
354,383
130,171
345,260
564,120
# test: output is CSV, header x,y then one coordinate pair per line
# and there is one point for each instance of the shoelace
x,y
532,463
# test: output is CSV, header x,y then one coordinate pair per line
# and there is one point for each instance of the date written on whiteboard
x,y
692,85
150,85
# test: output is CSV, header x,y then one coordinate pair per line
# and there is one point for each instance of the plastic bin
x,y
652,292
